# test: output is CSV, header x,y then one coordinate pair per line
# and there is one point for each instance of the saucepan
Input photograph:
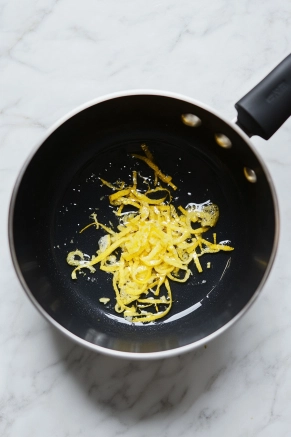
x,y
209,158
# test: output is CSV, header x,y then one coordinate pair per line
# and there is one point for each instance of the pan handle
x,y
268,105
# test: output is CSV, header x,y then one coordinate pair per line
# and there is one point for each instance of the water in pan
x,y
199,179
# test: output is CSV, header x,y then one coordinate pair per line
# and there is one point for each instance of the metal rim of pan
x,y
163,353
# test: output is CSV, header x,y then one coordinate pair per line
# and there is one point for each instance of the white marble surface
x,y
55,55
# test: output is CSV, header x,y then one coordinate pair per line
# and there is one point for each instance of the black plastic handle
x,y
267,106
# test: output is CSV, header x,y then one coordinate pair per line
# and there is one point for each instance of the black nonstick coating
x,y
60,188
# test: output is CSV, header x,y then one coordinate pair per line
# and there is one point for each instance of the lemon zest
x,y
158,173
154,242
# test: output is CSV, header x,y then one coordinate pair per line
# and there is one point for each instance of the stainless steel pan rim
x,y
151,355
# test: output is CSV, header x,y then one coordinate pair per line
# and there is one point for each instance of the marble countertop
x,y
57,54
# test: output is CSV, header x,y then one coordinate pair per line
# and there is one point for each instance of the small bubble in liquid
x,y
75,204
189,194
74,189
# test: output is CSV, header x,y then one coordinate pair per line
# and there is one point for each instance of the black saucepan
x,y
208,157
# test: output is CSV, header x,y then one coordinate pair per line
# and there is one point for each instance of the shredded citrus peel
x,y
155,244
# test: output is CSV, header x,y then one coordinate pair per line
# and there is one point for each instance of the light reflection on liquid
x,y
183,313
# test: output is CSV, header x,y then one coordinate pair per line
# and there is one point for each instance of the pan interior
x,y
61,188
